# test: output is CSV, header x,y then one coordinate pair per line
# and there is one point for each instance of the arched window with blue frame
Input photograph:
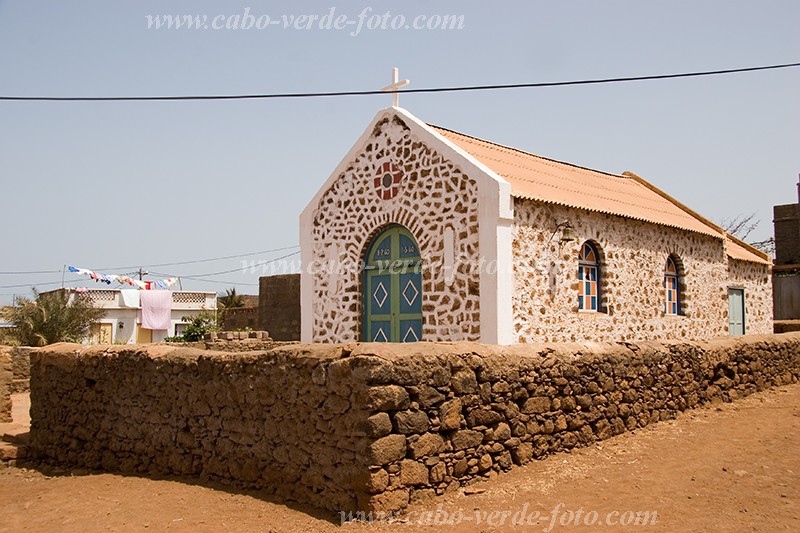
x,y
589,278
672,287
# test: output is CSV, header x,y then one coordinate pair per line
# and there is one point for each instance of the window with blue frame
x,y
672,290
589,278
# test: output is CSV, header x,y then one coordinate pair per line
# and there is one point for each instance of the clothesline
x,y
138,283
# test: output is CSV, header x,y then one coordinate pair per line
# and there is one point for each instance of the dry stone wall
x,y
283,420
434,194
238,341
6,378
466,412
21,365
374,426
633,258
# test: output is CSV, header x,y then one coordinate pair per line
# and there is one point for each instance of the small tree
x,y
198,326
6,334
741,226
52,317
231,300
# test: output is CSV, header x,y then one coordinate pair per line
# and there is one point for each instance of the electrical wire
x,y
222,282
29,285
30,272
201,260
199,276
22,272
401,91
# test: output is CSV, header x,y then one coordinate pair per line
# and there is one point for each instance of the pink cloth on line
x,y
156,309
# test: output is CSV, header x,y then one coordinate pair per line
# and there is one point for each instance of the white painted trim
x,y
307,226
449,259
495,218
306,279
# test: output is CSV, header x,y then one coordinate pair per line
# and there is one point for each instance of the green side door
x,y
735,311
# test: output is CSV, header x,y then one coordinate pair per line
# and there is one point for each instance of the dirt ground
x,y
732,467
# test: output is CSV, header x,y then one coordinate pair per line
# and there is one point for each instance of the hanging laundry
x,y
130,297
109,278
166,283
156,309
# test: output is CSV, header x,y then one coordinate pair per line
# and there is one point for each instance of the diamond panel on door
x,y
380,331
410,330
380,295
411,293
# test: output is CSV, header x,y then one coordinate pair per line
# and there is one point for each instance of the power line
x,y
30,272
199,276
221,282
30,285
201,260
404,91
21,272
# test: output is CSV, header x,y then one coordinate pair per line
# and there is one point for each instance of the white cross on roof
x,y
396,84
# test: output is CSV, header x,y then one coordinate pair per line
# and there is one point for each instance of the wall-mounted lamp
x,y
567,232
121,325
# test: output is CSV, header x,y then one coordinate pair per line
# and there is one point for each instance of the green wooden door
x,y
735,311
393,288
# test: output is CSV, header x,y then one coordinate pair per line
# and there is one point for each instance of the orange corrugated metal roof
x,y
744,252
538,178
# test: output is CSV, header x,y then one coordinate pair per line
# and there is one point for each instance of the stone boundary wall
x,y
21,366
237,335
241,341
231,341
373,426
20,357
282,420
6,378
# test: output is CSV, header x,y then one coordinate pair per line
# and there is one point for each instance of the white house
x,y
122,323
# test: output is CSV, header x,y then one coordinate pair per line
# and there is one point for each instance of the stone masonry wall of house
x,y
279,306
373,426
237,318
6,377
633,259
434,194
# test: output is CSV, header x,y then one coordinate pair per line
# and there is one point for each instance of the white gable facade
x,y
415,238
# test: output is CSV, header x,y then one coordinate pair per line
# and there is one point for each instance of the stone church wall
x,y
373,426
434,195
633,257
757,284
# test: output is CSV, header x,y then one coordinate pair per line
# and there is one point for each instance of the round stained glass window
x,y
387,181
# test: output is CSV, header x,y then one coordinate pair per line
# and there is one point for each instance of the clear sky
x,y
128,184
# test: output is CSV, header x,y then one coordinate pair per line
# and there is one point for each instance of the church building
x,y
425,234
